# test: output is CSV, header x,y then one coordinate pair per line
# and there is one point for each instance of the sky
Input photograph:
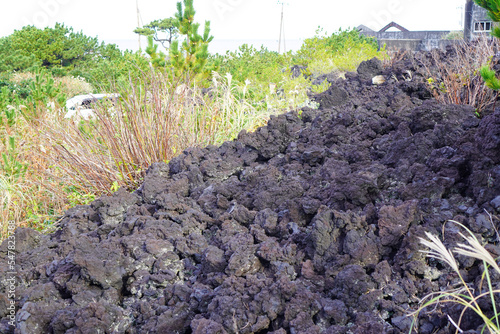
x,y
113,21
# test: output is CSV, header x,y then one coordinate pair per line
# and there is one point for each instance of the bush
x,y
340,52
456,80
58,48
265,73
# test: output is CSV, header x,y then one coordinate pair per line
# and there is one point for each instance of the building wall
x,y
411,40
476,14
428,40
412,35
414,44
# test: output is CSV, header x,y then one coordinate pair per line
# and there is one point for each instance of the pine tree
x,y
190,58
156,58
162,30
58,49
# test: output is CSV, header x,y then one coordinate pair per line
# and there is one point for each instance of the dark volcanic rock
x,y
368,69
335,96
310,224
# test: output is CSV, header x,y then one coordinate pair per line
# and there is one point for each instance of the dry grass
x,y
19,77
72,86
464,295
155,121
26,198
69,85
458,80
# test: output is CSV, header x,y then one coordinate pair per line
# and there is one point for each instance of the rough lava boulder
x,y
310,224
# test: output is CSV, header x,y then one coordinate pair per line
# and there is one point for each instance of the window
x,y
482,26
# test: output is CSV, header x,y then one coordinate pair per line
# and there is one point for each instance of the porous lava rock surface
x,y
310,224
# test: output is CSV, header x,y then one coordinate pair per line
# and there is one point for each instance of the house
x,y
477,22
406,39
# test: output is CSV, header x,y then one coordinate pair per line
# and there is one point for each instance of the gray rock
x,y
496,203
369,69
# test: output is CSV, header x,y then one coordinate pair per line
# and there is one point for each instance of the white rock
x,y
378,80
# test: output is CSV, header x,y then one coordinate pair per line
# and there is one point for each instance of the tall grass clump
x,y
457,79
155,120
465,295
25,197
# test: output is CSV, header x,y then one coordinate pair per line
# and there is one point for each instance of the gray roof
x,y
364,28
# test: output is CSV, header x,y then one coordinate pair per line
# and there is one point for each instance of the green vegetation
x,y
58,49
157,28
266,75
340,51
170,100
190,58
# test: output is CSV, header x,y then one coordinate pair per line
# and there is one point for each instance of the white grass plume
x,y
438,250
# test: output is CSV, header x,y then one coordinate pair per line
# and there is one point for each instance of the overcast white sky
x,y
113,20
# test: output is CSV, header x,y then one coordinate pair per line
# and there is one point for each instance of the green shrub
x,y
269,79
265,73
249,63
58,48
341,51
